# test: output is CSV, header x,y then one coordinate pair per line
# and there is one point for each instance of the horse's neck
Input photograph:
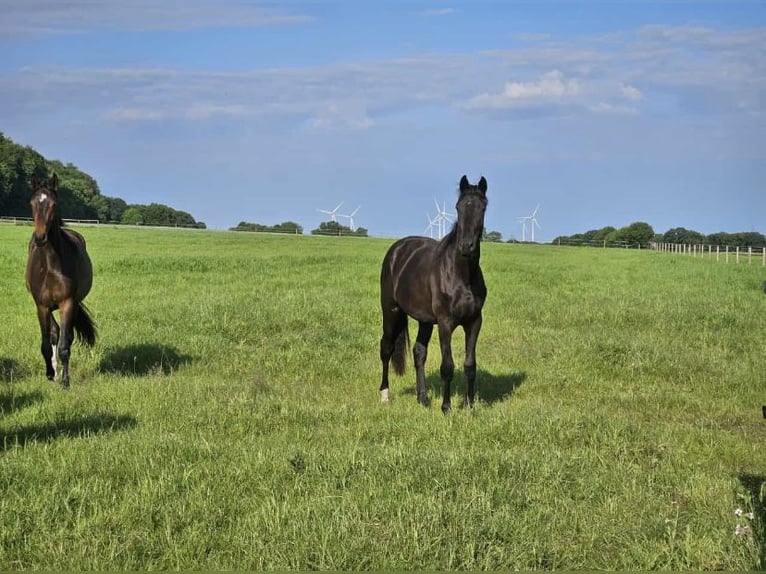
x,y
56,235
465,267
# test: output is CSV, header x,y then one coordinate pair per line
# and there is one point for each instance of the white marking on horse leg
x,y
384,396
54,361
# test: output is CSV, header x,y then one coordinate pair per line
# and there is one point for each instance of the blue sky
x,y
603,113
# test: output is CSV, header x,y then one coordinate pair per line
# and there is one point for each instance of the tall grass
x,y
228,415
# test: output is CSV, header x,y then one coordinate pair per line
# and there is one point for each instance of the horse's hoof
x,y
446,408
384,396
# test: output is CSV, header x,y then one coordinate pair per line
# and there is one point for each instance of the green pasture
x,y
228,416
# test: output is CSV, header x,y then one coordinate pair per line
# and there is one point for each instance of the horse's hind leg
x,y
47,343
394,322
419,354
67,310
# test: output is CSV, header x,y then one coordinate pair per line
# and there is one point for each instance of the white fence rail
x,y
720,253
27,220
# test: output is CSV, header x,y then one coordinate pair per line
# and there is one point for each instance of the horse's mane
x,y
448,240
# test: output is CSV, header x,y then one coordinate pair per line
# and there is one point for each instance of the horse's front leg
x,y
420,353
469,366
47,344
447,369
67,311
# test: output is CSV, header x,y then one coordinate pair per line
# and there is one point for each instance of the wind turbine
x,y
442,218
533,222
331,213
350,218
431,224
523,221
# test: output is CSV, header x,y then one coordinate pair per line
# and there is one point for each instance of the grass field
x,y
228,416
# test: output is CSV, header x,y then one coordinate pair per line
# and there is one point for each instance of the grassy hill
x,y
228,416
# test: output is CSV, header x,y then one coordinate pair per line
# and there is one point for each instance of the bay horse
x,y
436,283
59,275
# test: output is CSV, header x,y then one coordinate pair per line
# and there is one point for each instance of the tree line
x,y
641,233
79,196
285,227
325,228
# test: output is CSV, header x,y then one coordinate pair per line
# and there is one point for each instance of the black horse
x,y
59,276
436,282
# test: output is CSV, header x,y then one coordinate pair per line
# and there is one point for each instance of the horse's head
x,y
43,202
471,206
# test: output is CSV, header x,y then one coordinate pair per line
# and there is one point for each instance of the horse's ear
x,y
464,184
34,182
53,183
483,185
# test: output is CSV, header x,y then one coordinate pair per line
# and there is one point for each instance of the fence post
x,y
737,253
727,254
750,255
717,252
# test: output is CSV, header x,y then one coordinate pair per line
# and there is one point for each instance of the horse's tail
x,y
84,326
402,342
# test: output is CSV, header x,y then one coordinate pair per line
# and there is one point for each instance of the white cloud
x,y
135,114
551,85
552,88
205,111
437,12
613,109
342,115
721,71
631,93
43,17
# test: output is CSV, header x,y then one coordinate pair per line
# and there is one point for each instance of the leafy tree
x,y
636,233
751,239
79,194
288,227
683,235
132,216
335,228
492,236
157,214
285,227
598,235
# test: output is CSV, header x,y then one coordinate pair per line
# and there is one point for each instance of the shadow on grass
x,y
144,359
10,370
10,402
756,486
489,388
66,428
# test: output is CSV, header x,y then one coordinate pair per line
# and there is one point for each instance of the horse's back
x,y
404,278
406,252
75,238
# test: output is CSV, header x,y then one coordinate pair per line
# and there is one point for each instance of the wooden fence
x,y
28,220
721,253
